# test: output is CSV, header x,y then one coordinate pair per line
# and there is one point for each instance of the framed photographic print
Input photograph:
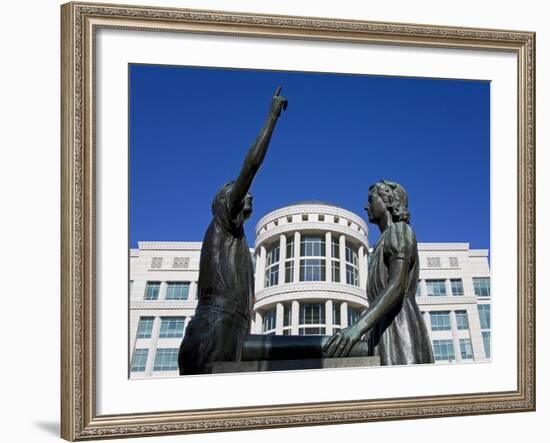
x,y
216,169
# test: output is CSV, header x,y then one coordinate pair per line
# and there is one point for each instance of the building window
x,y
484,316
321,217
335,271
290,247
166,359
336,314
312,269
482,286
436,288
487,342
287,314
418,289
311,331
466,351
177,290
269,320
152,290
485,323
434,262
312,246
289,271
312,314
353,315
444,350
456,286
352,277
289,262
334,248
453,262
272,267
139,360
352,266
171,327
462,320
145,327
335,259
440,321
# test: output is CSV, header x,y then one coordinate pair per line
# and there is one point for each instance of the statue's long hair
x,y
395,197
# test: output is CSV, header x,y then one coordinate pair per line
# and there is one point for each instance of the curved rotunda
x,y
311,270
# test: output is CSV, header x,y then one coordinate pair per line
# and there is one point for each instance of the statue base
x,y
291,365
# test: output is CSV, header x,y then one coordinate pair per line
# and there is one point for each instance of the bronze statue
x,y
393,324
226,275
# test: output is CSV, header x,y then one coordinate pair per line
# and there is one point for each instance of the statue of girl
x,y
393,324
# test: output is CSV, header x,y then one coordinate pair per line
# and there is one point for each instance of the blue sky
x,y
190,129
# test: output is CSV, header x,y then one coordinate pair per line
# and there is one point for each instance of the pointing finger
x,y
278,90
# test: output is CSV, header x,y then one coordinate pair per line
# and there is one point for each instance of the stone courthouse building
x,y
311,271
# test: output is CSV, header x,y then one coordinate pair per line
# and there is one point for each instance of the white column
x,y
328,261
448,288
282,258
343,262
456,341
295,318
193,291
362,268
428,323
468,285
134,324
152,347
328,317
344,314
280,312
260,269
162,290
258,323
296,257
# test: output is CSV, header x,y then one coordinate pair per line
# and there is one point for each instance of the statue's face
x,y
247,206
376,208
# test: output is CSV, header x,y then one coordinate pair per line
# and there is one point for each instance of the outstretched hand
x,y
278,103
340,344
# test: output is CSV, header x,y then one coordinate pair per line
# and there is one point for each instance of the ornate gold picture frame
x,y
80,23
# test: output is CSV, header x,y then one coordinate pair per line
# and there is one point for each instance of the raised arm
x,y
256,154
339,345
